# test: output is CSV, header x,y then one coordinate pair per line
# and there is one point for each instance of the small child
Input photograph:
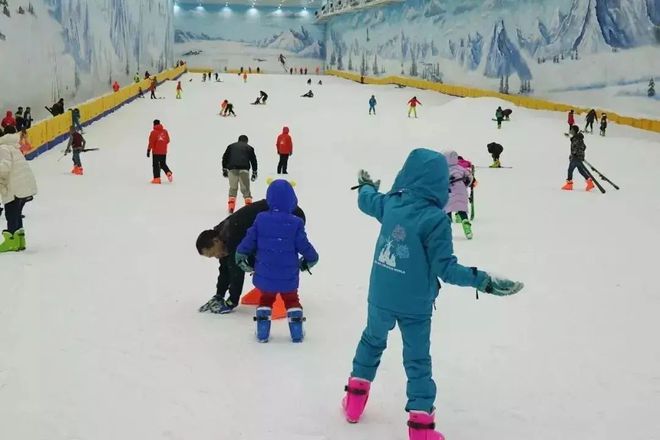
x,y
414,250
179,89
499,116
507,114
460,179
229,109
571,119
244,77
223,107
495,151
309,94
412,106
603,124
278,237
372,104
76,144
576,159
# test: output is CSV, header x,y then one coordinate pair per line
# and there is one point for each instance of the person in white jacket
x,y
17,185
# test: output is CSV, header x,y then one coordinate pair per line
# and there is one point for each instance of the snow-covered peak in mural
x,y
556,48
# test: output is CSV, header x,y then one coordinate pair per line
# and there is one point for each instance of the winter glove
x,y
306,265
148,153
365,179
225,172
254,176
242,262
500,286
67,151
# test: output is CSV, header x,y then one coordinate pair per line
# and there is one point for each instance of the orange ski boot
x,y
568,186
231,205
590,184
156,181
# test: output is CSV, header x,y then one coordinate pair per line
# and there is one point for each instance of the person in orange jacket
x,y
245,77
412,109
284,149
223,106
179,89
159,140
115,86
152,87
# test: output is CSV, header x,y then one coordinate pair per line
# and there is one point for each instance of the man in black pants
x,y
221,243
159,140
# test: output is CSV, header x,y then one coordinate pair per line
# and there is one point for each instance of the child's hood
x,y
424,174
281,197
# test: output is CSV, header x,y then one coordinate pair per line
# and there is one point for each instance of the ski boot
x,y
590,184
155,181
568,186
11,243
20,236
467,229
296,319
357,394
248,201
263,323
214,305
421,426
227,307
169,177
496,164
231,205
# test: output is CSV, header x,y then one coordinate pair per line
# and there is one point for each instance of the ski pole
x,y
601,175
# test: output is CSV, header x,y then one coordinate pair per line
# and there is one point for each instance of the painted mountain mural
x,y
587,52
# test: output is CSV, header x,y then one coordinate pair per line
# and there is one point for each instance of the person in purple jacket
x,y
460,180
276,239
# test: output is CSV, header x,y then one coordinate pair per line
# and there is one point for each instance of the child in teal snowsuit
x,y
372,104
413,250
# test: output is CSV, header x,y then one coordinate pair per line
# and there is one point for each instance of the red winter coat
x,y
284,143
571,119
413,102
115,86
8,120
159,139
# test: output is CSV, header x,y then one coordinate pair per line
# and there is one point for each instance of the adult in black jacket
x,y
236,163
221,243
591,118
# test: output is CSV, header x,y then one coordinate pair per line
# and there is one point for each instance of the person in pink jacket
x,y
460,180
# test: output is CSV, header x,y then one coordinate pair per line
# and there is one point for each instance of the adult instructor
x,y
221,243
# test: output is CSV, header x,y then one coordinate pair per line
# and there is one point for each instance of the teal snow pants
x,y
416,335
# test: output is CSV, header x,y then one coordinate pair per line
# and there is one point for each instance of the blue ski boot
x,y
263,323
296,320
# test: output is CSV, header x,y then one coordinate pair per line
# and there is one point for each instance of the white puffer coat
x,y
16,178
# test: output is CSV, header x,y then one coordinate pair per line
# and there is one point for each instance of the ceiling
x,y
283,3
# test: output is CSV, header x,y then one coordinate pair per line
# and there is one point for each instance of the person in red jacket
x,y
571,119
284,149
412,109
8,121
159,139
115,86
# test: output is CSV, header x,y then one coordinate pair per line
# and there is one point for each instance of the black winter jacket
x,y
232,230
577,147
239,156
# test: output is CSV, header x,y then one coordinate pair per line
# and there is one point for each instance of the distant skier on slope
x,y
460,179
591,118
412,106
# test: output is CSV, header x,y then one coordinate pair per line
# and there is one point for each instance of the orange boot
x,y
248,201
231,205
156,181
568,186
590,184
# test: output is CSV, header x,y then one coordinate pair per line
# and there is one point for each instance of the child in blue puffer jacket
x,y
278,237
413,250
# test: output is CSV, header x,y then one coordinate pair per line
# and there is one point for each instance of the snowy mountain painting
x,y
600,53
235,36
73,49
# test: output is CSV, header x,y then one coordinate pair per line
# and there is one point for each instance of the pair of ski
x,y
82,151
601,176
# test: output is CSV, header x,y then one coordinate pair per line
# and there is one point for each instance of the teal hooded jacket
x,y
414,247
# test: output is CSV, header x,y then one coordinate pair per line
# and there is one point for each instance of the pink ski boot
x,y
421,426
357,394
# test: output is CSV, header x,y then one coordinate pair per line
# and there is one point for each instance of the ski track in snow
x,y
100,336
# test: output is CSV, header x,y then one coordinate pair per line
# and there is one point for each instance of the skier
x,y
507,114
284,146
309,82
76,144
264,96
75,119
115,86
495,151
8,120
577,160
499,116
460,179
571,119
320,83
372,104
276,239
27,118
237,160
282,60
57,108
603,124
591,118
414,250
136,78
152,87
229,110
147,75
309,94
203,76
257,101
159,140
244,77
217,77
412,109
17,187
179,89
221,243
223,107
20,121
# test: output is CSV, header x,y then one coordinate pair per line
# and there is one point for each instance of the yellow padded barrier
x,y
519,100
48,133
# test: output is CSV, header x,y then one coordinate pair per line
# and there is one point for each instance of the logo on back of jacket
x,y
161,137
392,250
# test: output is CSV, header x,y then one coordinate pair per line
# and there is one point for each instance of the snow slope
x,y
100,336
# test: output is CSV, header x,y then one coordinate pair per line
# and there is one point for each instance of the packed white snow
x,y
100,337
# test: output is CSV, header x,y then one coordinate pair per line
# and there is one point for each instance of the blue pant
x,y
416,334
372,108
